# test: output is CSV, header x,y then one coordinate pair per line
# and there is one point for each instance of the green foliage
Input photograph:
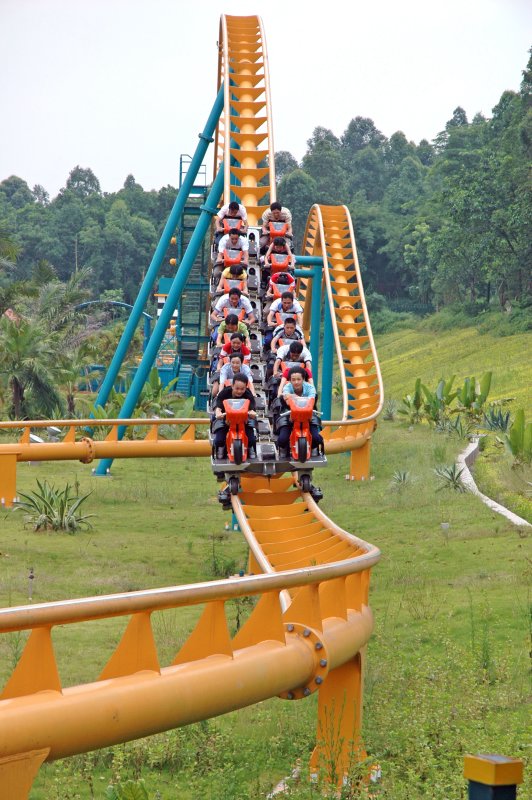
x,y
390,410
496,419
450,477
130,790
473,394
48,508
519,440
411,408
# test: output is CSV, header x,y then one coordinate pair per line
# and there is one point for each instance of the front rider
x,y
238,390
299,386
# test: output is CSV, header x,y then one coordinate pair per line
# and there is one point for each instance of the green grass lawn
x,y
448,669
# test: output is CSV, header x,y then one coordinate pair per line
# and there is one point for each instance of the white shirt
x,y
282,353
277,305
225,244
223,302
224,211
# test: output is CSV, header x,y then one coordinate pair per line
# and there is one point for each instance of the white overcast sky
x,y
125,86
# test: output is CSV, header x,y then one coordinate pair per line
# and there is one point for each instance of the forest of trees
x,y
436,223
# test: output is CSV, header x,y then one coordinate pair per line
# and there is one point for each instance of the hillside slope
x,y
408,354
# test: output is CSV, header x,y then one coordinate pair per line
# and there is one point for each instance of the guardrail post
x,y
493,777
8,479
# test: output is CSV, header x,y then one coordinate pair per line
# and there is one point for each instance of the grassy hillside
x,y
448,669
409,354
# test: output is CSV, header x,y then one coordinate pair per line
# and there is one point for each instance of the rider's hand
x,y
252,414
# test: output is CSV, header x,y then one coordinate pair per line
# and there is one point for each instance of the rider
x,y
299,386
230,211
235,272
238,390
228,372
236,303
230,241
275,213
231,324
279,246
286,305
286,333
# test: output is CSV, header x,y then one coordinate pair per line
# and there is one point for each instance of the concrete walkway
x,y
465,460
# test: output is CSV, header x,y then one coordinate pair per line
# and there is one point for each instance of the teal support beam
x,y
315,320
327,368
309,261
207,212
153,270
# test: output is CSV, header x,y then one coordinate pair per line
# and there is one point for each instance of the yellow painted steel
x,y
311,622
494,770
329,234
244,137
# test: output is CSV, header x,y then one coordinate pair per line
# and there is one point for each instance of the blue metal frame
x,y
168,232
207,212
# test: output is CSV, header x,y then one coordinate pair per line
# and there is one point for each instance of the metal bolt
x,y
318,646
323,662
306,632
306,691
319,680
290,628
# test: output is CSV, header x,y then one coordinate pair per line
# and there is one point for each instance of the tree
x,y
29,363
323,162
82,182
360,133
16,191
298,191
285,163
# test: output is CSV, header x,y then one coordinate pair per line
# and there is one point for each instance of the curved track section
x,y
329,233
244,140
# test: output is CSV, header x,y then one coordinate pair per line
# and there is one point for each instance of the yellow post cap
x,y
173,261
173,240
493,770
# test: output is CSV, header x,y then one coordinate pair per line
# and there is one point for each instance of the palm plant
x,y
29,361
450,478
54,509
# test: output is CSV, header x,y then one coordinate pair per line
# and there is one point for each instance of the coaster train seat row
x,y
262,395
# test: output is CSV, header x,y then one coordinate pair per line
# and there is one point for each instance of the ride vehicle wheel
x,y
305,484
238,452
302,449
234,485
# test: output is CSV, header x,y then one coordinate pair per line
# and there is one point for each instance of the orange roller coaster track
x,y
310,579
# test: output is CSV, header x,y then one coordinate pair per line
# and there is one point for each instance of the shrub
x,y
54,509
450,478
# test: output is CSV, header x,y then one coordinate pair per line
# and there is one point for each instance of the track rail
x,y
310,578
244,138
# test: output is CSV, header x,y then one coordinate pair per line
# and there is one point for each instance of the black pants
x,y
283,439
221,434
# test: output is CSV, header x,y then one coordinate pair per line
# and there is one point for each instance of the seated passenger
x,y
279,257
235,345
280,282
284,334
252,244
238,390
228,372
231,324
291,355
285,306
233,277
276,214
299,386
234,302
231,214
232,249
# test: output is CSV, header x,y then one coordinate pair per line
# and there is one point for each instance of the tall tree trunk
x,y
18,397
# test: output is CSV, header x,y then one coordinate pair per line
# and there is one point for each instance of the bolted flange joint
x,y
91,451
314,642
